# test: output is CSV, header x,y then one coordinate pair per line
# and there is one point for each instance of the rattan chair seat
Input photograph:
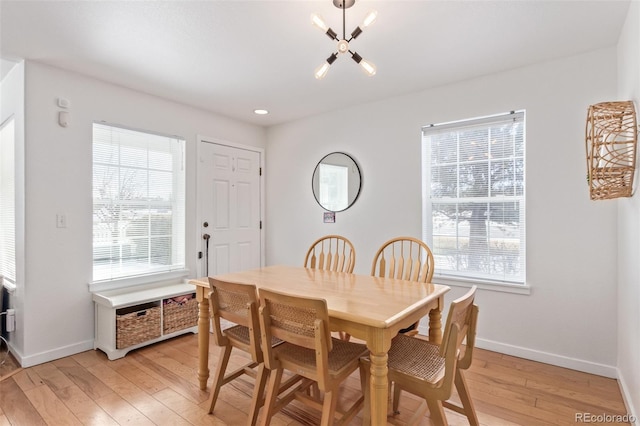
x,y
417,358
340,356
241,333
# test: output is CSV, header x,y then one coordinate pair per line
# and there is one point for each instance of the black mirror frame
x,y
315,170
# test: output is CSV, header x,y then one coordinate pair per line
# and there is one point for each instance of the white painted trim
x,y
11,287
141,294
198,238
175,276
626,397
482,285
549,358
54,354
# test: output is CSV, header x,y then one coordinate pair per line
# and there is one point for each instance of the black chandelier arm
x,y
354,55
344,19
332,34
355,33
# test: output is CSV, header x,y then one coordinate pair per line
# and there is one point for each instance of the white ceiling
x,y
233,56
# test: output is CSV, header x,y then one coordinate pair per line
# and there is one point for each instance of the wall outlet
x,y
11,320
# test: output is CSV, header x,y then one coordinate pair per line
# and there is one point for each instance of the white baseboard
x,y
562,361
12,350
545,357
628,402
549,358
42,357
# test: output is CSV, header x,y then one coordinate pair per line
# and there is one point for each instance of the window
x,y
473,183
138,203
7,202
334,187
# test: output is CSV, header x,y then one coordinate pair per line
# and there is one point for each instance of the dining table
x,y
369,308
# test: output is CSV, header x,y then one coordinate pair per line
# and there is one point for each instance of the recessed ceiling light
x,y
261,111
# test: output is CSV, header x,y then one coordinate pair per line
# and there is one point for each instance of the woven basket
x,y
178,316
611,141
141,325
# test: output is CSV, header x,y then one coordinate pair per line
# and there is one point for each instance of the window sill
x,y
163,277
10,286
483,285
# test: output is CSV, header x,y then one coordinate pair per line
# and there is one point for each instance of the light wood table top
x,y
372,309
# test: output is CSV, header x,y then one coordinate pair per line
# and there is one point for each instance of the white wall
x,y
568,319
12,104
57,311
629,227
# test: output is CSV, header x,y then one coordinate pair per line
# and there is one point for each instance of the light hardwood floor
x,y
158,385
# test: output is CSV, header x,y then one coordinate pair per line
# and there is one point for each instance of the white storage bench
x,y
129,318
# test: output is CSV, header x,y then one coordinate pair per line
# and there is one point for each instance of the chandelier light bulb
x,y
321,71
368,67
369,19
318,22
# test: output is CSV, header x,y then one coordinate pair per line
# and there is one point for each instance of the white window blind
x,y
474,197
7,202
138,203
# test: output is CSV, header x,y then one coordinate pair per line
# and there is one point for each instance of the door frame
x,y
198,231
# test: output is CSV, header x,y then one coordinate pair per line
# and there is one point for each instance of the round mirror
x,y
336,182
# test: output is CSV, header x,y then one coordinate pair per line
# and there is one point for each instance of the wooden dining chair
x,y
404,258
430,371
237,303
331,252
309,352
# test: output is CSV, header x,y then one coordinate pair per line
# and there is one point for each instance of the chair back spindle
x,y
331,253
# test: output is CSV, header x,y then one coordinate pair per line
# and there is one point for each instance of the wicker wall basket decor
x,y
611,141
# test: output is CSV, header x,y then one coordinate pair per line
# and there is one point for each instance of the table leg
x,y
379,389
379,384
435,322
204,319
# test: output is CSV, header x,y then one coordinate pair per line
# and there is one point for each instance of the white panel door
x,y
229,192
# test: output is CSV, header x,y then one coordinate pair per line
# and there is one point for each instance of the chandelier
x,y
343,44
